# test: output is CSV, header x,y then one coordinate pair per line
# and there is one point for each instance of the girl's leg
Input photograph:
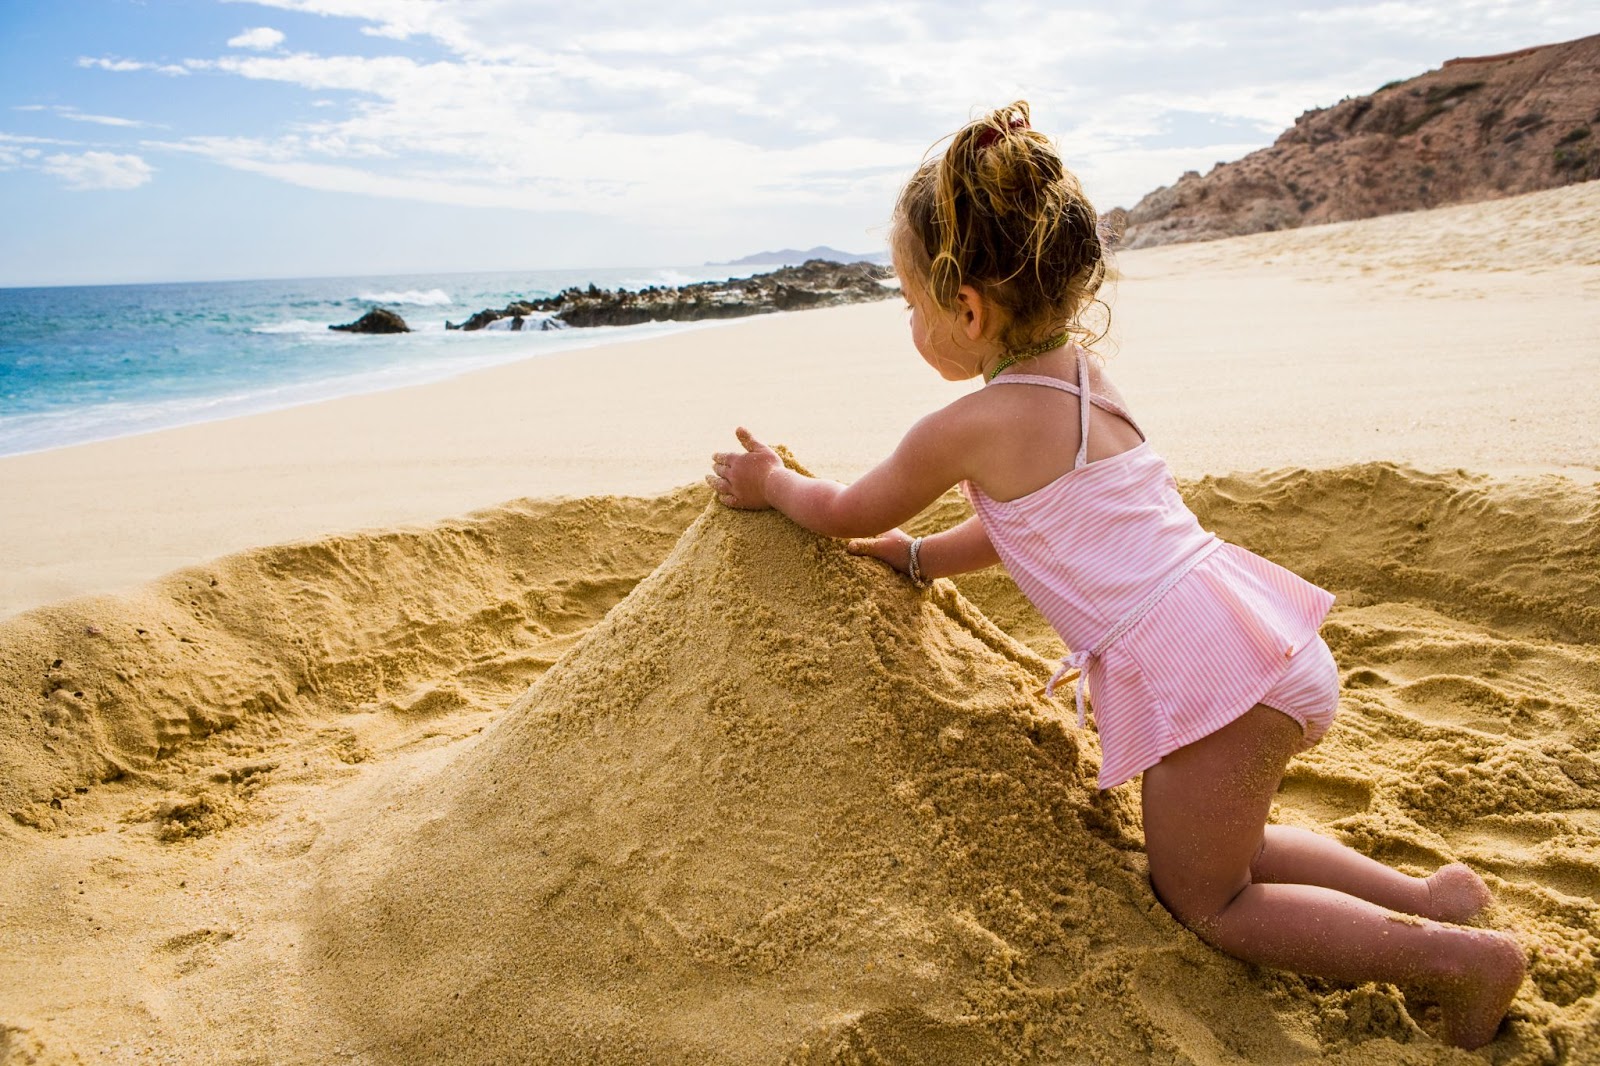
x,y
1293,856
1205,813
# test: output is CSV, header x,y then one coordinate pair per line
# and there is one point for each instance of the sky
x,y
171,140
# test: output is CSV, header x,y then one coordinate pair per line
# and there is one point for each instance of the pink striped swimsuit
x,y
1176,632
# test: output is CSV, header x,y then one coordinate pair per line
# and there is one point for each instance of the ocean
x,y
86,363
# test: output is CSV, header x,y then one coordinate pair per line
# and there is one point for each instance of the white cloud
x,y
261,38
72,113
707,113
122,66
17,138
98,170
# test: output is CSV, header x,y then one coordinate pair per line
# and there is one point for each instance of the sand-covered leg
x,y
1292,856
1205,811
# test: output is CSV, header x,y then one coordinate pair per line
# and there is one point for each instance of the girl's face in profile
x,y
934,331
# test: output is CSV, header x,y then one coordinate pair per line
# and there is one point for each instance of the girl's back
x,y
1034,434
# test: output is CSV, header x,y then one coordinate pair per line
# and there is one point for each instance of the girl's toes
x,y
1473,1009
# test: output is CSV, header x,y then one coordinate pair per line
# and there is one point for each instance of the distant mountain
x,y
794,257
1475,129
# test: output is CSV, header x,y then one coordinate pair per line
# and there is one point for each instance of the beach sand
x,y
306,773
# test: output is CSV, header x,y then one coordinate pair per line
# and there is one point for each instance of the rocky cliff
x,y
1475,129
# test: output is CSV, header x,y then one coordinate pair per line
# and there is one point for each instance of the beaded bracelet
x,y
914,565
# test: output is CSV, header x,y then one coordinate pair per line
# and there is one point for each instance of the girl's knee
x,y
1196,910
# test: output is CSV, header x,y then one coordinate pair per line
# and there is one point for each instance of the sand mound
x,y
1521,555
775,801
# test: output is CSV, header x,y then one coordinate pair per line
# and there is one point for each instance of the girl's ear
x,y
971,312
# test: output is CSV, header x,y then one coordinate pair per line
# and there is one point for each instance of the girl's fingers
x,y
872,546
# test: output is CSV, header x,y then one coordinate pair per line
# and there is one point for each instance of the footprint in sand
x,y
897,1034
1322,796
1462,702
1556,851
1363,678
188,952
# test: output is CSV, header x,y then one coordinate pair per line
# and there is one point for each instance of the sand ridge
x,y
318,875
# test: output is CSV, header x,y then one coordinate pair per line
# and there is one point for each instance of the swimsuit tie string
x,y
1076,661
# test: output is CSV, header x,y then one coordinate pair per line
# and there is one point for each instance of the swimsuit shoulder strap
x,y
1086,398
1036,379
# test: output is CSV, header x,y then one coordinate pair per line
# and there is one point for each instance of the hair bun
x,y
1000,211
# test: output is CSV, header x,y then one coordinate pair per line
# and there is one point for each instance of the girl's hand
x,y
893,547
740,478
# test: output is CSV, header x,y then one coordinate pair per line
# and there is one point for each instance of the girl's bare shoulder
x,y
1100,381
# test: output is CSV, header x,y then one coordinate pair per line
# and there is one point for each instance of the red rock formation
x,y
1476,129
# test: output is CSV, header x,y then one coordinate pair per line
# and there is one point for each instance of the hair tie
x,y
990,134
1111,226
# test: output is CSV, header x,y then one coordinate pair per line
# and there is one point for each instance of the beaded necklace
x,y
1028,353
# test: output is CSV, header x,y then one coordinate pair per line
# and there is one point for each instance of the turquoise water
x,y
88,363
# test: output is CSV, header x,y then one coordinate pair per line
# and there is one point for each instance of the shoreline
x,y
363,383
76,381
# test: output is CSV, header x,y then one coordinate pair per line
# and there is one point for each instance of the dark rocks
x,y
816,283
377,320
477,321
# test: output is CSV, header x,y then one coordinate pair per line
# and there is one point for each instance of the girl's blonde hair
x,y
999,211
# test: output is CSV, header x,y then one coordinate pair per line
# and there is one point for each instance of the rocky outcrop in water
x,y
1475,129
377,320
817,283
519,314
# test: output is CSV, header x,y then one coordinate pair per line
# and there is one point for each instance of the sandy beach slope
x,y
624,777
1458,338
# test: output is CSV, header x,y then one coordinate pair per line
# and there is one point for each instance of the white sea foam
x,y
294,325
417,297
534,323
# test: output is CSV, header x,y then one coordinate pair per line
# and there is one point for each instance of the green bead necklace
x,y
1028,353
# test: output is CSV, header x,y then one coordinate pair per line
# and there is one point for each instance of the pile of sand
x,y
775,801
775,806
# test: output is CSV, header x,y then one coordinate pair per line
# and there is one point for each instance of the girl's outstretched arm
x,y
930,459
958,550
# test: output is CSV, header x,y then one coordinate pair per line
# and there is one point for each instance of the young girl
x,y
1204,660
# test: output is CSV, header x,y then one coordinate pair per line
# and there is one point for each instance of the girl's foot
x,y
1456,894
1476,998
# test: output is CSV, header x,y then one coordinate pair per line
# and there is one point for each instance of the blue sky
x,y
146,140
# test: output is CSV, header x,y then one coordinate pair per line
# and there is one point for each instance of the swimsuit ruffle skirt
x,y
1176,632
